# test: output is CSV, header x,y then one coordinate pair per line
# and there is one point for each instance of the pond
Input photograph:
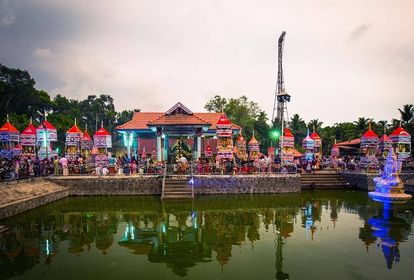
x,y
313,235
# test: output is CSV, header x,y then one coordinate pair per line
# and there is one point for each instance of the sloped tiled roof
x,y
178,119
141,119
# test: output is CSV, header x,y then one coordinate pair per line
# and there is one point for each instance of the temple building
x,y
160,132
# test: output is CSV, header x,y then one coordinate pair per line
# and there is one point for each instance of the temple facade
x,y
159,133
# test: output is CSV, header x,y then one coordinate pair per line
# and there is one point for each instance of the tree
x,y
407,114
18,95
216,104
315,124
361,125
298,128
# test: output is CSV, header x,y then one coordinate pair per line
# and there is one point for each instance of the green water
x,y
313,235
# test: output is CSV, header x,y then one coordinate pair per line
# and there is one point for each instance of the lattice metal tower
x,y
281,96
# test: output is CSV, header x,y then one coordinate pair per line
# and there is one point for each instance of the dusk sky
x,y
342,59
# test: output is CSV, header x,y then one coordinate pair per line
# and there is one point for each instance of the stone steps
x,y
323,181
175,188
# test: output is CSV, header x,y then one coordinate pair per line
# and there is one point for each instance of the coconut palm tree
x,y
315,124
407,114
361,126
298,127
382,126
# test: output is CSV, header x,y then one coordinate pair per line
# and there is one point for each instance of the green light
x,y
275,134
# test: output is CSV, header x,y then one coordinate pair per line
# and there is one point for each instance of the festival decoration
x,y
9,140
86,144
317,149
46,135
28,140
73,142
254,148
401,141
288,145
241,147
385,144
369,147
224,138
308,144
102,141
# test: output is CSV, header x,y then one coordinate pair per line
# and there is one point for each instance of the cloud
x,y
360,31
42,53
7,17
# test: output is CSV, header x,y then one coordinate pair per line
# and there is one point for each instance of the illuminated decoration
x,y
401,141
208,152
385,144
308,144
46,135
224,138
102,141
9,140
317,149
127,139
389,187
241,147
369,147
73,142
389,190
86,144
254,148
28,140
288,145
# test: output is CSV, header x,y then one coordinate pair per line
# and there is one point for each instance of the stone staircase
x,y
323,180
176,187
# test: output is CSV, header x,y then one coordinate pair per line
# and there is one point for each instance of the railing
x,y
192,180
163,180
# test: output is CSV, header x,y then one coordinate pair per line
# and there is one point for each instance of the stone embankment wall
x,y
107,185
19,196
22,195
247,184
364,181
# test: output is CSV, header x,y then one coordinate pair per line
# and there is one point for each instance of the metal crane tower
x,y
281,97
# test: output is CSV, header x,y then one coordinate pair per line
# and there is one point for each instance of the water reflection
x,y
187,234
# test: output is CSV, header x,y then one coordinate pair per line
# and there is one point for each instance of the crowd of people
x,y
33,166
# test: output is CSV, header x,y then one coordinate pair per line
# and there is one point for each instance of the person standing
x,y
64,163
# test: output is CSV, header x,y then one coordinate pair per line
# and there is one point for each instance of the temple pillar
x,y
159,145
198,133
165,155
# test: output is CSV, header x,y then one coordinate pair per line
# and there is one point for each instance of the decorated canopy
x,y
73,141
224,135
102,141
86,141
385,144
28,140
288,144
369,144
401,140
46,134
254,148
102,138
308,144
241,147
9,138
